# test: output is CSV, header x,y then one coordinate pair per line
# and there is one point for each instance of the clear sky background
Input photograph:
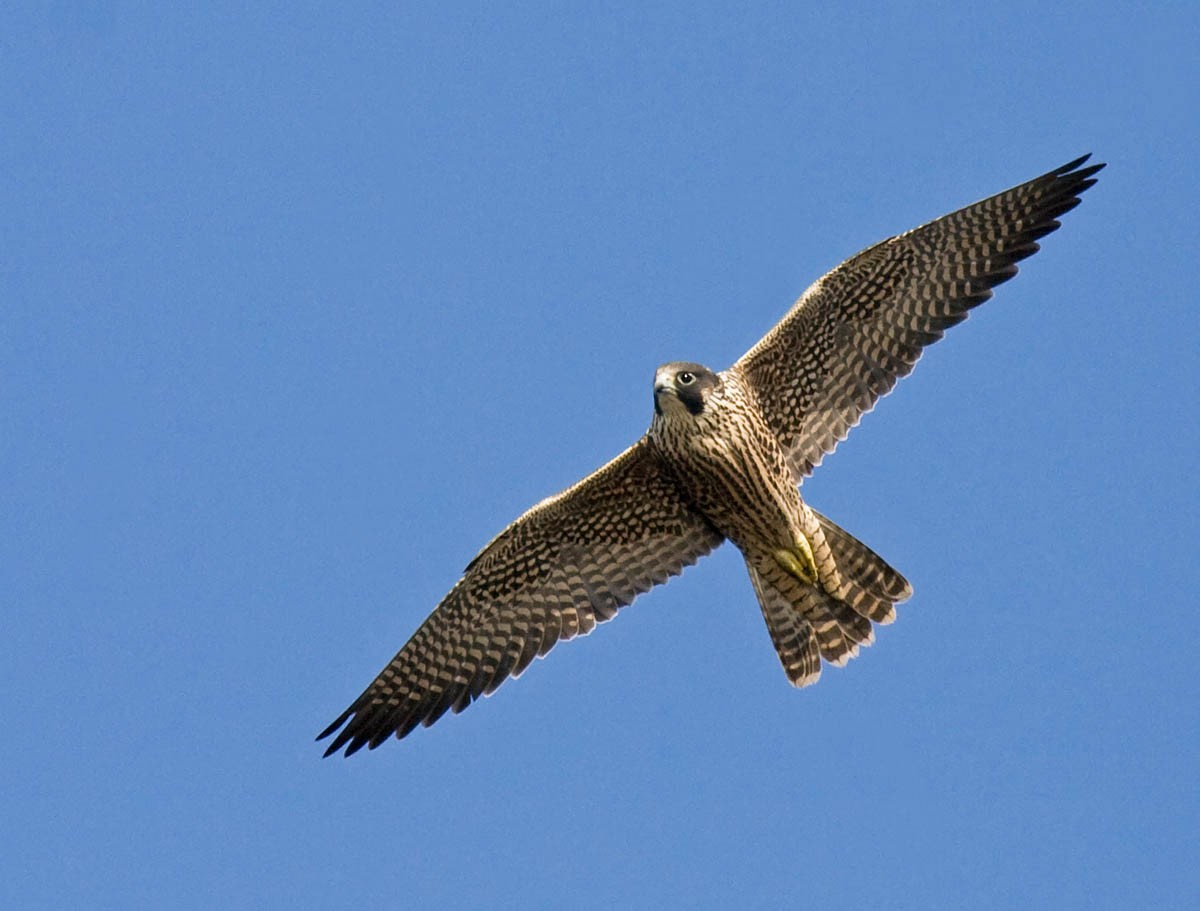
x,y
299,306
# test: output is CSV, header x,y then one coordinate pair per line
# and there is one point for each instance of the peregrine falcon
x,y
723,459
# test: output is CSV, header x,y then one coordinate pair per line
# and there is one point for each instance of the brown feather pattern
x,y
569,563
726,465
861,327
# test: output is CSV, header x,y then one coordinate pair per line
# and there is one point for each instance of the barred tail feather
x,y
868,583
793,636
811,623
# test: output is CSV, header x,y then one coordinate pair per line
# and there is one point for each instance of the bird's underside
x,y
723,459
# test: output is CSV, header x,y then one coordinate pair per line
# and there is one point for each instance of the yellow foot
x,y
799,561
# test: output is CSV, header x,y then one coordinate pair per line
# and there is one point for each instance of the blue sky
x,y
298,307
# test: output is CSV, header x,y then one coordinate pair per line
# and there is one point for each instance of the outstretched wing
x,y
568,563
861,327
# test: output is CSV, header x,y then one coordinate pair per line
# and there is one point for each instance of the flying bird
x,y
723,460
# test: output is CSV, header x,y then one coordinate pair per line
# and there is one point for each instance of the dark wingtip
x,y
342,737
1079,175
333,727
365,726
1073,176
1072,165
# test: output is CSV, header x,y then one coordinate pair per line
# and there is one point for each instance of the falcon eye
x,y
686,379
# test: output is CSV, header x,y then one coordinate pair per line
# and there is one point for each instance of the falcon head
x,y
681,387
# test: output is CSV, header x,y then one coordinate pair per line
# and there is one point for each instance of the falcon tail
x,y
808,623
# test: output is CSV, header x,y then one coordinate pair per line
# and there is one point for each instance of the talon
x,y
799,562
